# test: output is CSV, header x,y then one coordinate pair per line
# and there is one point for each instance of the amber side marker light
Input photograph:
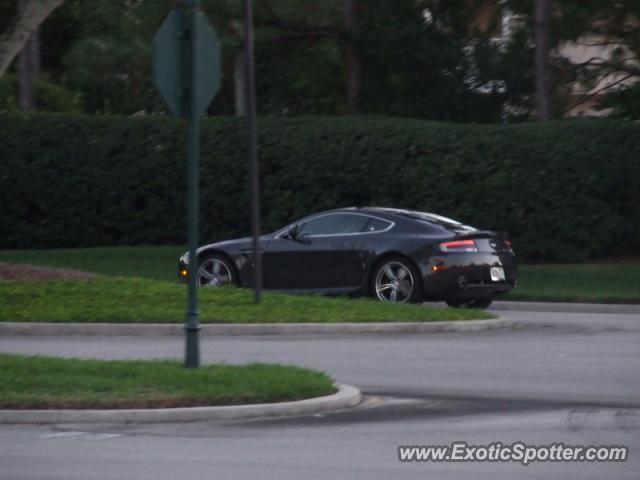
x,y
438,268
184,273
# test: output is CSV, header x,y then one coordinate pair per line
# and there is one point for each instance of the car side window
x,y
376,225
334,224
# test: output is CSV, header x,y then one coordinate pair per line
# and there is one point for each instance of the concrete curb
x,y
126,329
566,307
346,396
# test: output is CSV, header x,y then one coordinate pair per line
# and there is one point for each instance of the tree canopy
x,y
415,58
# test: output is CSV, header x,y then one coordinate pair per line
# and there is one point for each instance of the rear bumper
x,y
467,276
474,291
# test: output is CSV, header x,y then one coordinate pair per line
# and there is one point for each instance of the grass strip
x,y
592,282
157,263
596,283
139,300
49,382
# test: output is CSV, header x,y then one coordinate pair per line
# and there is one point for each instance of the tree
x,y
20,30
420,59
406,58
108,59
606,38
610,32
284,28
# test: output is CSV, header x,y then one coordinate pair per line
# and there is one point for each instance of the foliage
x,y
8,94
49,96
625,102
563,190
422,68
410,67
420,58
107,56
612,32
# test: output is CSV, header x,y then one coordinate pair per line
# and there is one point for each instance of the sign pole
x,y
192,327
250,90
186,72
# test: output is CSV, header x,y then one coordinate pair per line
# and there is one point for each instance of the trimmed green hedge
x,y
563,190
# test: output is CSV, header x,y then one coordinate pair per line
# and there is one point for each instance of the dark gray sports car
x,y
393,255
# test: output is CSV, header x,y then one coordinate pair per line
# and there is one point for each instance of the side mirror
x,y
293,232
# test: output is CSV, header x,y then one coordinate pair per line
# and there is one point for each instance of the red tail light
x,y
459,246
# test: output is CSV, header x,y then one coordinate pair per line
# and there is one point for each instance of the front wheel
x,y
215,271
395,279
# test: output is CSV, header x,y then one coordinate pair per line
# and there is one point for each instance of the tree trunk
x,y
28,67
25,80
35,55
239,86
352,58
22,28
542,34
239,80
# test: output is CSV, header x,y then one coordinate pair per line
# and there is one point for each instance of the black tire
x,y
480,303
400,268
455,303
207,276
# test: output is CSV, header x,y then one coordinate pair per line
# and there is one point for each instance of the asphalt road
x,y
558,377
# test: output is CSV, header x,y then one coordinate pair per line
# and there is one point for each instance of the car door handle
x,y
249,251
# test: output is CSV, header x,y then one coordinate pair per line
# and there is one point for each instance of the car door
x,y
322,257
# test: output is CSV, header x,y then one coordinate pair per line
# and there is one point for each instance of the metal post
x,y
250,86
192,326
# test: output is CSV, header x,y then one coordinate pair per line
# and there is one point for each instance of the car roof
x,y
372,211
413,216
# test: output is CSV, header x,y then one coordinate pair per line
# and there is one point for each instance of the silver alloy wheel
x,y
213,272
394,282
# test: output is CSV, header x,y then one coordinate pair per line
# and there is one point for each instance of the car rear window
x,y
376,225
434,219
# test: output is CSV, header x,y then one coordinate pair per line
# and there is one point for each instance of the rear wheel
x,y
215,271
395,279
455,303
480,303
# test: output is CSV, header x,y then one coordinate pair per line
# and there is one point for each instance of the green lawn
x,y
140,286
599,282
45,382
158,263
132,300
595,282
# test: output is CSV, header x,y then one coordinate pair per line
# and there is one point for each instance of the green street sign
x,y
172,63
